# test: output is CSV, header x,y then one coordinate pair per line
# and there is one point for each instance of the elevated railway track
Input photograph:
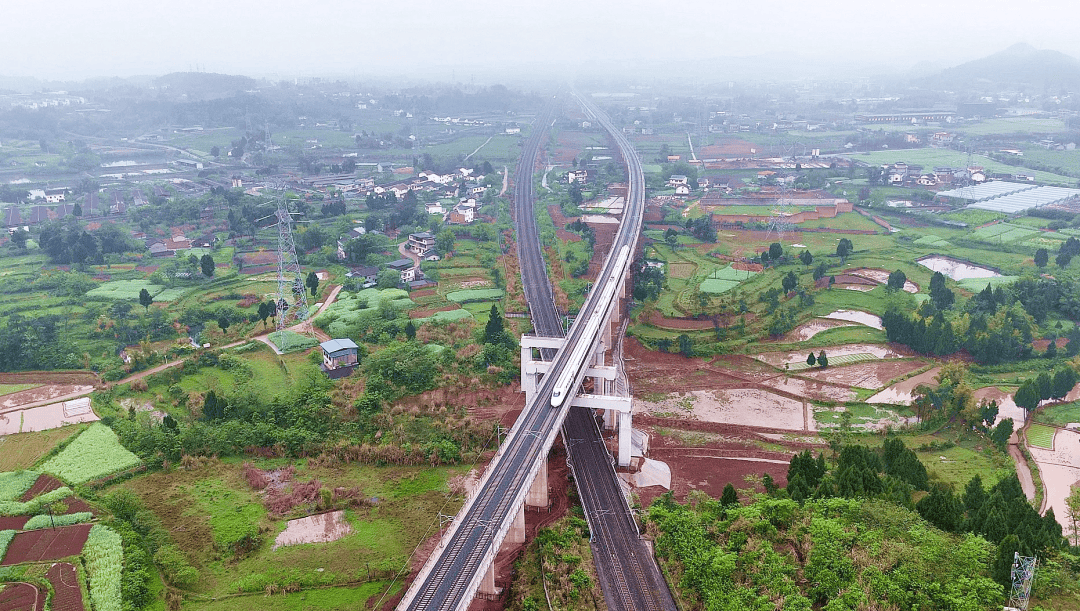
x,y
629,576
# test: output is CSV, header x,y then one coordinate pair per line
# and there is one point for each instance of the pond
x,y
957,270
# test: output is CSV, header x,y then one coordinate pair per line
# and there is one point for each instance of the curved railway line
x,y
629,577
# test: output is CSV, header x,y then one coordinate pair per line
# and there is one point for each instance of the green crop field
x,y
1041,436
92,455
445,316
847,359
475,295
932,241
717,285
977,284
1003,232
1014,125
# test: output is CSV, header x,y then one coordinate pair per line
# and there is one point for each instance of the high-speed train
x,y
584,345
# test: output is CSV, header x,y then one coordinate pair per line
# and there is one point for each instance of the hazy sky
x,y
66,39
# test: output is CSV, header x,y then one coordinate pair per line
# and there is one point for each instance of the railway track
x,y
452,576
625,566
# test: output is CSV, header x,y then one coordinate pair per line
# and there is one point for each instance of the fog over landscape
x,y
577,304
482,39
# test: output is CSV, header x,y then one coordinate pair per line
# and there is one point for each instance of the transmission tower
x,y
1023,574
292,306
780,223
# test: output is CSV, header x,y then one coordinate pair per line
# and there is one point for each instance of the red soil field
x,y
46,544
13,522
44,483
68,597
23,597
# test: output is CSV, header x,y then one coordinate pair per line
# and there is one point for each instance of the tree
x,y
495,330
1064,380
19,238
686,346
1041,257
1001,433
271,311
207,265
1063,259
844,248
444,241
1027,396
941,296
312,282
410,330
942,509
1045,384
775,251
223,323
820,271
388,279
264,312
671,237
76,210
145,299
897,280
729,498
806,258
215,151
811,359
1072,503
822,360
790,281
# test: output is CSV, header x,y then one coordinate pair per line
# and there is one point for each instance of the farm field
x,y
1059,415
933,157
95,453
1041,436
22,450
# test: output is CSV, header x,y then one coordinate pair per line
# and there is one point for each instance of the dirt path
x,y
506,181
1027,484
408,254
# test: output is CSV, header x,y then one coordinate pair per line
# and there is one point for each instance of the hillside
x,y
1021,65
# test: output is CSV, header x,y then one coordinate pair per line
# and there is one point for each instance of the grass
x,y
128,290
323,599
1041,436
7,389
292,341
234,512
205,504
1059,415
22,450
977,284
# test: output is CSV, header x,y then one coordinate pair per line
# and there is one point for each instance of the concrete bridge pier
x,y
537,497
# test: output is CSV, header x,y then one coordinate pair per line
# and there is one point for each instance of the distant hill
x,y
204,85
1021,65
